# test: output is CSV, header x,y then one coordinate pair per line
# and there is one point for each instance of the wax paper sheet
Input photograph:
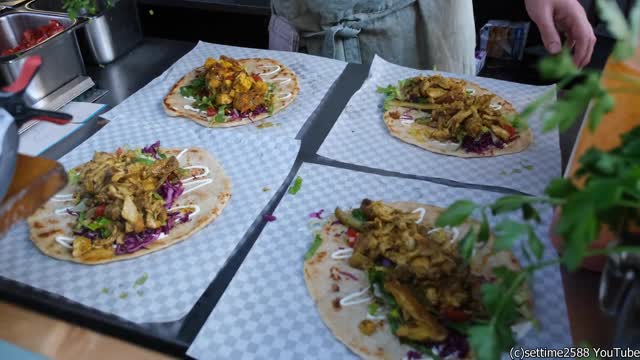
x,y
361,137
175,276
266,311
315,77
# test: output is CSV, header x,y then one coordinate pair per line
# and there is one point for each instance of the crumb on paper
x,y
266,189
140,292
141,280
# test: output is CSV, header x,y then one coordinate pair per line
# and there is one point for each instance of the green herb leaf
x,y
145,160
74,177
141,280
568,108
467,244
483,234
484,341
359,215
536,246
314,247
511,203
373,309
601,106
105,290
220,117
124,295
297,184
560,188
456,213
558,66
530,213
508,232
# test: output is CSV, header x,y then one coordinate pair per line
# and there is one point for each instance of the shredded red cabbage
x,y
316,214
269,217
235,115
413,355
152,150
257,111
170,192
482,144
135,241
92,235
455,344
385,262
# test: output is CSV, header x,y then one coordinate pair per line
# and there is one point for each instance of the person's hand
x,y
567,16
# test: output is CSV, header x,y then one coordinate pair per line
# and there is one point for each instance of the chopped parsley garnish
x,y
74,177
297,184
314,247
373,309
105,290
141,280
358,215
124,295
219,118
197,86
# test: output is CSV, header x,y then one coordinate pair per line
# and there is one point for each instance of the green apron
x,y
420,34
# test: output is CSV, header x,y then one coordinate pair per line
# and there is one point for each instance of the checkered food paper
x,y
361,137
164,285
266,311
315,77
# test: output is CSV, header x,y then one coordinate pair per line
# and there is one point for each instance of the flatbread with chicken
x,y
229,92
453,117
389,285
130,203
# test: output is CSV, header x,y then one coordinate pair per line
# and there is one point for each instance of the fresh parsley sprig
x,y
604,191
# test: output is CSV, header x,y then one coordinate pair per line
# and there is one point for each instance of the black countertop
x,y
252,7
124,77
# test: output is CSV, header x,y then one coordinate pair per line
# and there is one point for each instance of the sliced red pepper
x,y
211,111
352,237
455,315
510,130
119,151
100,210
256,77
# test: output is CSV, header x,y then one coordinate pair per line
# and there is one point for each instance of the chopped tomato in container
x,y
33,37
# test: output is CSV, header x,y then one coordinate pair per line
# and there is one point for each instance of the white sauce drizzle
x,y
407,121
276,69
375,317
342,254
281,80
62,197
521,329
181,153
194,177
356,298
63,211
198,184
454,231
422,211
191,108
190,98
285,96
495,106
65,241
196,209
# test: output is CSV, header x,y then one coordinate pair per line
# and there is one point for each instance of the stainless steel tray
x,y
62,61
112,32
